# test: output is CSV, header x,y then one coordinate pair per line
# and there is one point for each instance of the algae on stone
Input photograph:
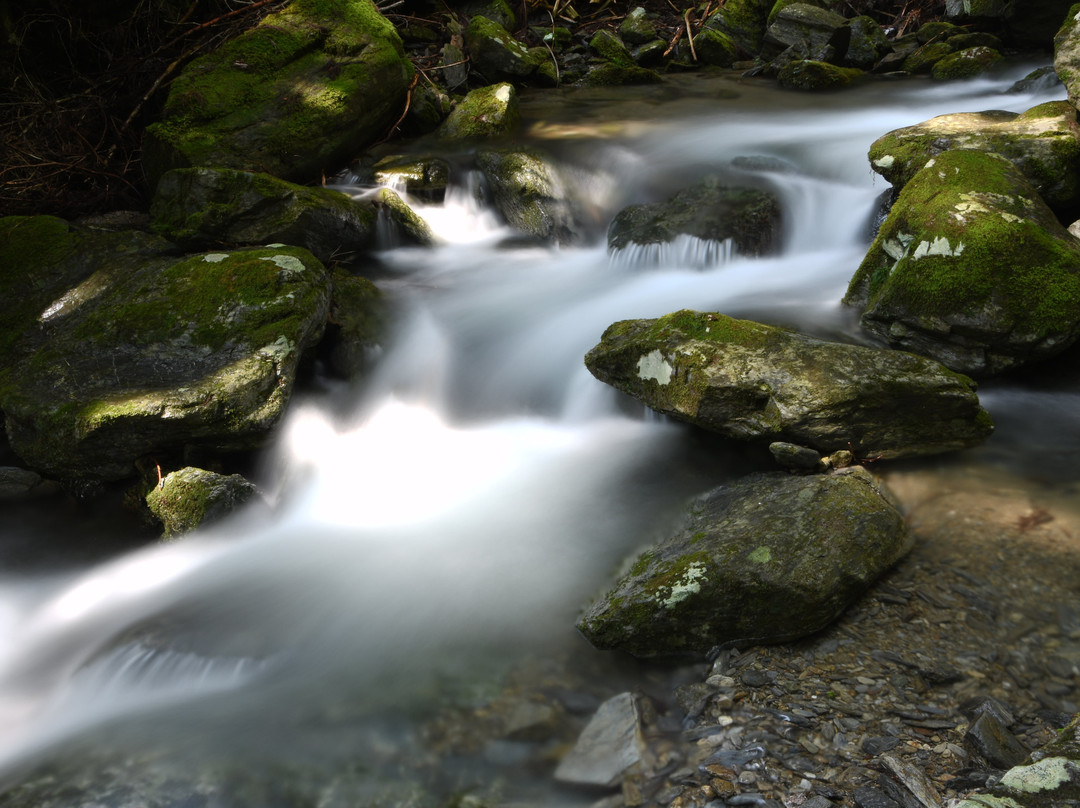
x,y
191,498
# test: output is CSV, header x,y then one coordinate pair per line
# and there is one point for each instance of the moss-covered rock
x,y
150,353
1043,142
860,43
610,74
498,57
812,75
532,194
357,325
422,176
201,207
637,28
1067,54
191,498
965,64
972,268
484,112
800,25
755,382
715,48
924,58
769,558
744,21
297,95
609,48
710,211
496,10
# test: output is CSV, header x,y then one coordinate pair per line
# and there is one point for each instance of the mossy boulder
x,y
421,176
153,353
610,74
295,96
497,56
769,558
1067,54
532,194
485,112
201,207
496,10
972,268
711,211
637,28
937,31
760,383
1032,24
356,325
860,43
965,64
610,48
715,48
192,498
744,21
802,26
1043,142
810,75
924,58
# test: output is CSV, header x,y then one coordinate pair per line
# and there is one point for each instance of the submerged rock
x,y
298,94
610,745
1043,142
191,498
150,353
757,382
806,74
531,194
710,211
972,268
769,558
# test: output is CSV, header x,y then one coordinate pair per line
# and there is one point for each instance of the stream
x,y
452,513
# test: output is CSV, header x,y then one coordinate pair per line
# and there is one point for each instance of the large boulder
x,y
496,55
1043,142
201,207
966,63
769,558
295,96
484,112
1067,54
153,353
192,498
860,43
760,383
972,268
532,194
744,21
802,26
711,211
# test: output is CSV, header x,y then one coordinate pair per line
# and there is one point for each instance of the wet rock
x,y
610,74
608,47
791,456
965,64
972,268
991,739
483,113
867,797
532,194
294,96
356,326
768,558
1067,57
803,25
914,780
191,498
923,59
424,177
715,48
808,74
860,43
610,745
18,484
744,21
152,353
498,57
710,211
202,207
1043,142
636,28
754,382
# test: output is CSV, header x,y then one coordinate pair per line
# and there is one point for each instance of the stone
x,y
531,193
965,64
296,96
150,352
807,74
715,48
760,383
800,24
972,268
768,558
356,327
424,177
791,456
991,739
1067,56
609,48
1043,142
610,74
610,745
18,483
636,28
924,59
498,57
485,112
191,498
1032,25
709,210
860,43
744,21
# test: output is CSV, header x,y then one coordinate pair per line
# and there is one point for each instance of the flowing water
x,y
455,510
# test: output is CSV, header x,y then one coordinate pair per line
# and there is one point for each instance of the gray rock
x,y
800,24
1043,142
971,268
485,112
191,498
791,456
991,739
756,382
18,483
860,43
636,28
297,95
709,211
151,353
1067,57
498,57
608,747
422,176
357,324
769,558
532,194
744,21
914,780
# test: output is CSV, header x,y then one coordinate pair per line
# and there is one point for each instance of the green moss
x,y
924,59
816,76
965,64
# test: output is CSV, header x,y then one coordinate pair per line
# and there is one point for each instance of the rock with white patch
x,y
769,558
972,268
1043,142
142,353
758,383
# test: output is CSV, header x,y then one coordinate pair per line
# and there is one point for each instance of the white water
x,y
482,485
